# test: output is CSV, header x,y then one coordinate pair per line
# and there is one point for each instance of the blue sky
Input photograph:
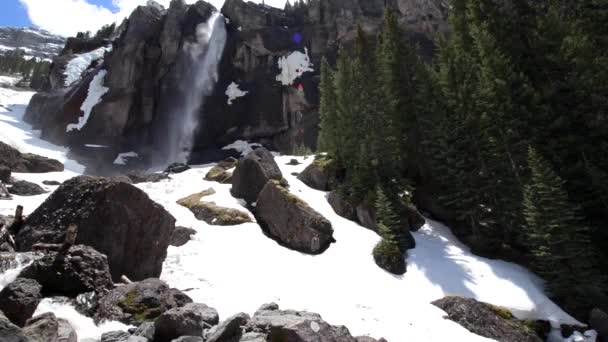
x,y
67,17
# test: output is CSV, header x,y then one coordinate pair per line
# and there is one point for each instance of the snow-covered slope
x,y
238,268
34,42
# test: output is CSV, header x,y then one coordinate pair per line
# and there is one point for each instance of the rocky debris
x,y
5,174
19,299
121,336
598,320
177,168
27,162
181,236
81,269
291,221
486,320
25,188
252,173
341,206
228,330
9,332
42,328
190,320
139,302
220,173
51,183
297,326
145,330
139,177
211,213
321,174
115,218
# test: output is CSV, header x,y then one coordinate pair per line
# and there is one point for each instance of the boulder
x,y
65,331
228,330
253,337
51,183
368,339
115,336
321,174
220,173
10,332
5,174
341,206
486,320
293,162
188,339
177,168
189,320
390,257
26,162
291,221
140,177
211,213
19,299
252,173
25,188
42,328
139,302
181,236
115,218
79,270
145,330
297,326
598,320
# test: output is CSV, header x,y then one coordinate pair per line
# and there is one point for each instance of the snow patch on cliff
x,y
122,158
293,66
96,91
81,62
242,146
233,92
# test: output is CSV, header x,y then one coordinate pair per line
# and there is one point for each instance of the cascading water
x,y
202,58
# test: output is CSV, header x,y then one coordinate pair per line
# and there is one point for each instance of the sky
x,y
67,17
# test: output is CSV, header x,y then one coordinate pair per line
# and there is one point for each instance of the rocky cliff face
x,y
34,42
118,94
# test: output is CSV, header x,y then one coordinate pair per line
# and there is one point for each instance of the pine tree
x,y
328,132
388,253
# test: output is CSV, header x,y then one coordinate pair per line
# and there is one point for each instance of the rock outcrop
x,y
139,302
26,162
79,270
115,218
25,188
486,320
19,299
252,173
291,221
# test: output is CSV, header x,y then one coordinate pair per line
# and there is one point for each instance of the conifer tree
x,y
328,127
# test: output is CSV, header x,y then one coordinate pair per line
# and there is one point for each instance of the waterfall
x,y
201,58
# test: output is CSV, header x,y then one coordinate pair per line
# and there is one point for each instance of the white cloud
x,y
67,17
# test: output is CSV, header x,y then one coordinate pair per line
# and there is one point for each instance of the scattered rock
x,y
228,330
298,326
27,162
51,183
177,168
291,221
321,174
10,332
5,174
211,213
181,236
130,229
19,299
341,206
190,320
252,173
138,177
293,162
42,328
219,173
82,269
146,330
25,188
486,320
115,336
139,302
598,320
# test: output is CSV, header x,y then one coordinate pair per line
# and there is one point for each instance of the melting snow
x,y
233,92
293,66
241,146
81,62
96,91
121,159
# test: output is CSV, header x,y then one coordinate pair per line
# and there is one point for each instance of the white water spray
x,y
204,56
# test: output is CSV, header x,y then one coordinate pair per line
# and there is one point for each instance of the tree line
x,y
508,126
32,70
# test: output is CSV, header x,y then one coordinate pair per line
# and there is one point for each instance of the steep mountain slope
x,y
34,42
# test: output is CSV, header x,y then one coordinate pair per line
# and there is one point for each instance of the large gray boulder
x,y
486,320
26,162
9,332
19,299
65,331
321,174
291,221
79,270
25,188
190,320
115,218
228,330
139,302
42,328
252,173
297,326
